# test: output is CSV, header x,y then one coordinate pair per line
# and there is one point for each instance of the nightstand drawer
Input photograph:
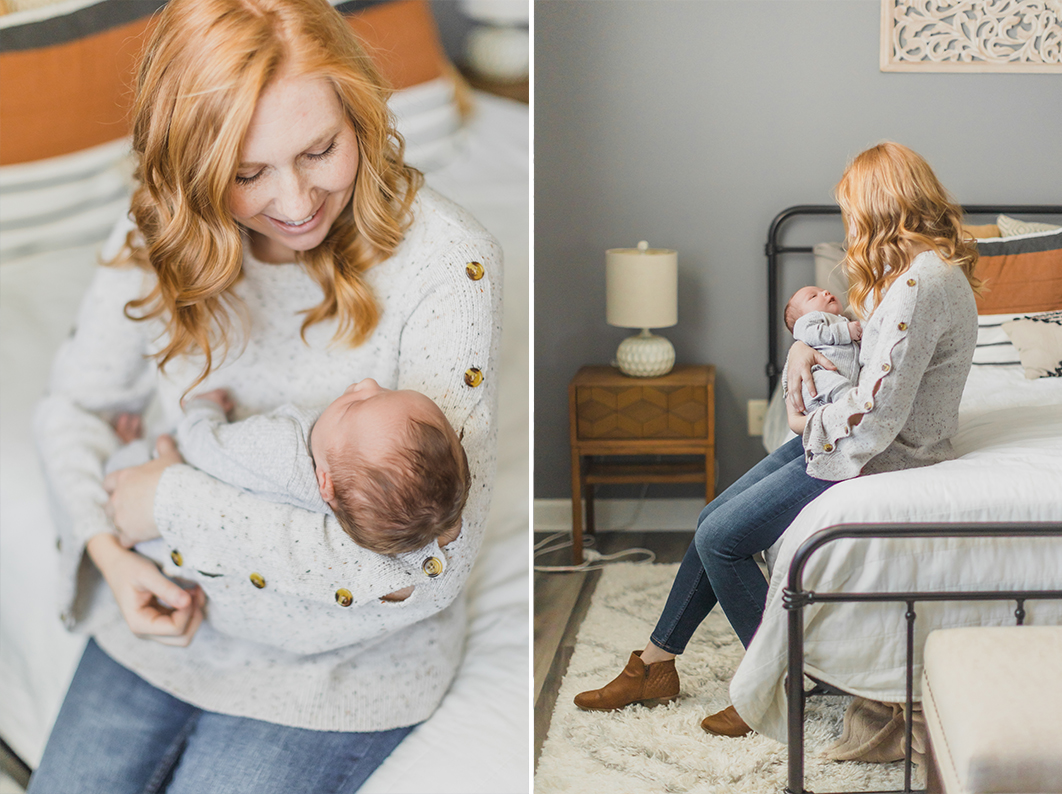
x,y
642,412
612,415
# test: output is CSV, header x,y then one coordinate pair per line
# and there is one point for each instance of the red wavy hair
x,y
892,205
203,70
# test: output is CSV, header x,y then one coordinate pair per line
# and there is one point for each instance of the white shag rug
x,y
640,750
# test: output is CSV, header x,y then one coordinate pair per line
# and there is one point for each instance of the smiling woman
x,y
279,247
297,167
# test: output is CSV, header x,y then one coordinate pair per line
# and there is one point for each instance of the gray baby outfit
x,y
828,334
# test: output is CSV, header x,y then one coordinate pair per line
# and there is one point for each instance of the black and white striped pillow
x,y
993,344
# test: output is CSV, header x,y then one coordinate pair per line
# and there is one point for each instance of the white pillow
x,y
829,274
1038,339
1010,227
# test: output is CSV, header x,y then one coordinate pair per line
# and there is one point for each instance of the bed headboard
x,y
776,250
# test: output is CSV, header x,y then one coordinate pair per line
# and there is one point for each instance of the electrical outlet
x,y
757,416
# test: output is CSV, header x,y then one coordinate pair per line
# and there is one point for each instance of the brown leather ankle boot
x,y
639,682
726,723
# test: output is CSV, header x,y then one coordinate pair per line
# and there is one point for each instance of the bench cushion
x,y
993,704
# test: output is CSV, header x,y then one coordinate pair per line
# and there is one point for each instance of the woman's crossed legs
x,y
117,734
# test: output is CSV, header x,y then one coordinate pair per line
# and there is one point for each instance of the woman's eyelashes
x,y
316,156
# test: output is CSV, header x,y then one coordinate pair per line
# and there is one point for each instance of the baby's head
x,y
810,299
390,466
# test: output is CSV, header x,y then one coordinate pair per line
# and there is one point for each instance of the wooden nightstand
x,y
614,414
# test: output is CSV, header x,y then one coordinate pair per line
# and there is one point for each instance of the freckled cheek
x,y
242,206
341,179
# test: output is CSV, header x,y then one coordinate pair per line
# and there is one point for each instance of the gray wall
x,y
691,124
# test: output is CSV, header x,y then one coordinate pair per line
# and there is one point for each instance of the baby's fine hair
x,y
792,314
410,500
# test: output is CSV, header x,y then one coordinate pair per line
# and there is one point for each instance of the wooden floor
x,y
561,601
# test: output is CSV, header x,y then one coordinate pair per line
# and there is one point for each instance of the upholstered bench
x,y
993,705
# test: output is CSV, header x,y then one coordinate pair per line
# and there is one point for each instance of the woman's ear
x,y
324,483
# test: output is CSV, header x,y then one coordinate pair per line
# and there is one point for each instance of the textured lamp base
x,y
645,355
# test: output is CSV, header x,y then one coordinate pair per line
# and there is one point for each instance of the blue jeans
x,y
117,734
746,518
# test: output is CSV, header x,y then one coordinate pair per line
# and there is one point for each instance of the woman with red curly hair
x,y
278,246
911,281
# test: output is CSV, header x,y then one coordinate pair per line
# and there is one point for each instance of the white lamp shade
x,y
641,286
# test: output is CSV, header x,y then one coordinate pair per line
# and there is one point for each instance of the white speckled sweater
x,y
915,356
277,645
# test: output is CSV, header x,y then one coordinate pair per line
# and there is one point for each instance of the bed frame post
x,y
795,691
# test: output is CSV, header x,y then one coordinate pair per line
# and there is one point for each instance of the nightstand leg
x,y
709,475
589,509
577,508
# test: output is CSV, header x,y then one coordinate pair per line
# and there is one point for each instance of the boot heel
x,y
658,701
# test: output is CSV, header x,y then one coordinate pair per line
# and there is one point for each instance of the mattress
x,y
1008,468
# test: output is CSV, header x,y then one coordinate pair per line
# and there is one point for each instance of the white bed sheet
x,y
1009,468
478,740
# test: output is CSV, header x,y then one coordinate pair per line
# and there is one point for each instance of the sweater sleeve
x,y
841,437
100,370
449,352
303,563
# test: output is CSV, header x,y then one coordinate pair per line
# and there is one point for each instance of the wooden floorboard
x,y
561,602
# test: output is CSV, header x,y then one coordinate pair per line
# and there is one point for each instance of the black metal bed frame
x,y
795,598
775,250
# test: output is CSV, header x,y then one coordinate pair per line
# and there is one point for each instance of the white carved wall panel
x,y
971,35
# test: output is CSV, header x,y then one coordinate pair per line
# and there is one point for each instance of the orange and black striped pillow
x,y
67,78
1021,274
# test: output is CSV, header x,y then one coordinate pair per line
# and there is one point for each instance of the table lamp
x,y
641,285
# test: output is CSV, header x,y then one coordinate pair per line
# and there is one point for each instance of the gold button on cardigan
x,y
433,567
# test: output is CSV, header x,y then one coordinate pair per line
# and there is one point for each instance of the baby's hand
x,y
128,427
221,397
855,328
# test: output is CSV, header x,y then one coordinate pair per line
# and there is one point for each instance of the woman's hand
x,y
154,607
797,420
132,494
798,370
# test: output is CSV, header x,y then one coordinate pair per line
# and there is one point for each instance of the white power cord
x,y
593,560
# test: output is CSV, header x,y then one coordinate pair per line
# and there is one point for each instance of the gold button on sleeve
x,y
885,367
828,447
432,566
868,405
257,580
474,270
902,326
178,560
473,377
343,597
910,282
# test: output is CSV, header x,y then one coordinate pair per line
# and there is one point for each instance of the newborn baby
x,y
387,463
813,315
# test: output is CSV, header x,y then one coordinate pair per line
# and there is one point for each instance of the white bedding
x,y
478,740
1009,468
